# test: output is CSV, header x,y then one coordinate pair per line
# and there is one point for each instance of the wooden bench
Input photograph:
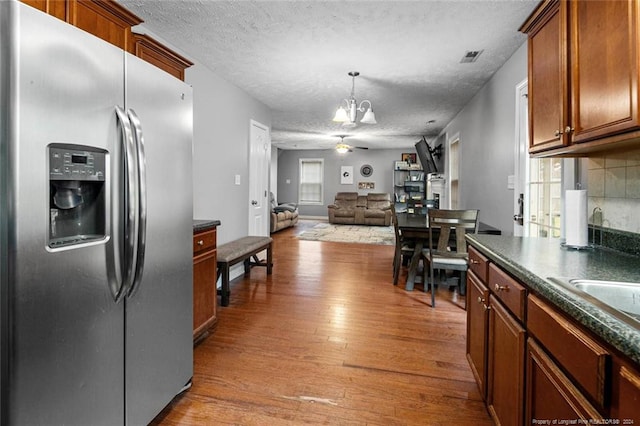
x,y
241,250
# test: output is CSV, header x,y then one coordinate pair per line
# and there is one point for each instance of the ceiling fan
x,y
344,148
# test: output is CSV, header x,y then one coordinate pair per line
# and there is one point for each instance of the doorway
x,y
538,182
259,160
454,172
521,169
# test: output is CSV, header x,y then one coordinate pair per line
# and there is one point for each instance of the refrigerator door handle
x,y
142,199
131,204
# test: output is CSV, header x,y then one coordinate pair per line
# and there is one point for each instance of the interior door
x,y
259,158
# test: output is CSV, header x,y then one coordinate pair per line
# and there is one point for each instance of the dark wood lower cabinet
x,y
550,394
204,283
477,329
533,362
626,393
506,366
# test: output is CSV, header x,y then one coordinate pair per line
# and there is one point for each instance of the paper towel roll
x,y
575,219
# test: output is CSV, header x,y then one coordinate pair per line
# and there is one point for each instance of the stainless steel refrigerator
x,y
96,228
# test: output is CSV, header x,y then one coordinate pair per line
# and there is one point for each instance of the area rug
x,y
362,234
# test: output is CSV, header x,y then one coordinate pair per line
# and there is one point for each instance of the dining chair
x,y
404,246
450,251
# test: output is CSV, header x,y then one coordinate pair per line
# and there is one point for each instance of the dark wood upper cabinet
x,y
55,8
604,68
112,22
583,76
159,55
548,78
103,18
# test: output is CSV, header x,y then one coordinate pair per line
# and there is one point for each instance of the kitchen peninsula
x,y
568,355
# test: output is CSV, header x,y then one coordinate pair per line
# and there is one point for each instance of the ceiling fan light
x,y
342,149
369,117
341,115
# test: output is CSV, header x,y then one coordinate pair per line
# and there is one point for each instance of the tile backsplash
x,y
614,186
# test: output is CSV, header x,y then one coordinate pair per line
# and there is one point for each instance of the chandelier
x,y
346,114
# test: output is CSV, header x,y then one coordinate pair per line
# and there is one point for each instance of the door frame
x,y
455,139
259,182
521,155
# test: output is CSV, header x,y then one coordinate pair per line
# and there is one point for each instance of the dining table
x,y
415,227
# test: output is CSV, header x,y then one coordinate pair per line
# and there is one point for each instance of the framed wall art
x,y
346,175
410,158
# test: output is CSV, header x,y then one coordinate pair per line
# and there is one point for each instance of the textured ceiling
x,y
294,56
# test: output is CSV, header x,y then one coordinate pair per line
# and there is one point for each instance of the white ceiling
x,y
294,56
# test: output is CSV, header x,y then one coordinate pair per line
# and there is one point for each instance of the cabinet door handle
x,y
558,133
482,301
568,129
474,262
499,287
200,243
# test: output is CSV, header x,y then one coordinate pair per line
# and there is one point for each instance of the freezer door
x,y
66,334
159,345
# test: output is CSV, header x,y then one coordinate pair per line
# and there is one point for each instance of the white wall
x,y
486,126
222,114
221,117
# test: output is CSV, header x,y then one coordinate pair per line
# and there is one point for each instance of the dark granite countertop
x,y
534,260
200,225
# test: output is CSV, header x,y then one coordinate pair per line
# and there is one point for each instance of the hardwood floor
x,y
328,339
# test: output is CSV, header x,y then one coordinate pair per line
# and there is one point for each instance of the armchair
x,y
283,215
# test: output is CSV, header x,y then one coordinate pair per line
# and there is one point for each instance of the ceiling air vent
x,y
471,56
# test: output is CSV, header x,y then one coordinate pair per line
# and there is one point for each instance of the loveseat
x,y
283,215
351,208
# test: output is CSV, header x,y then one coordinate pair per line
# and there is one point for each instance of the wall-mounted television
x,y
426,156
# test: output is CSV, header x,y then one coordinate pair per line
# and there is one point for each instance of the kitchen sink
x,y
622,297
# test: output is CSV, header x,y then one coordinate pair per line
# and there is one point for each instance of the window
x,y
545,204
311,181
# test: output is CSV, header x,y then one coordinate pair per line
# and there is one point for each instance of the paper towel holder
x,y
575,206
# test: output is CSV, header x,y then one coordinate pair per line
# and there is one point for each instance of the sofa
x,y
353,209
283,215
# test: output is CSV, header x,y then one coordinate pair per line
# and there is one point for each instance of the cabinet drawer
x,y
628,401
509,291
578,354
550,393
204,240
478,264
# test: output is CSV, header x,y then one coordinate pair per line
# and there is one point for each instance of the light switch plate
x,y
237,179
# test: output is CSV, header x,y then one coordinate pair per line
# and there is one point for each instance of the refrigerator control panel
x,y
77,199
79,163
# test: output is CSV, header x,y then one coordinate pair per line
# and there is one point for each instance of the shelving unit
x,y
409,189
